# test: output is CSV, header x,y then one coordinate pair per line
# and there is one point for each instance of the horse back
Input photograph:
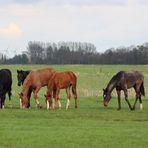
x,y
133,78
40,77
65,79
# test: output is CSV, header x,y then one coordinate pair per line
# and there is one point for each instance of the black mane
x,y
116,78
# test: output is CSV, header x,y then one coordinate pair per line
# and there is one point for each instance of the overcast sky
x,y
105,23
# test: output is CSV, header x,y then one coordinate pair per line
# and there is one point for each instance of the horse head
x,y
106,96
23,100
48,100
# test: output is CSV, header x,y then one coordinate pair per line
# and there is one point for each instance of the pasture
x,y
91,125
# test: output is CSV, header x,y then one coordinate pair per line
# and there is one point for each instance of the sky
x,y
105,23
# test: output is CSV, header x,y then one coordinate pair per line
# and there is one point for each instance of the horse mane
x,y
116,78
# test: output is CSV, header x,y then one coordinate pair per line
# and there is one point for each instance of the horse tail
x,y
74,91
142,89
73,84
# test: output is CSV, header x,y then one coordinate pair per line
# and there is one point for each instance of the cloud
x,y
106,23
66,2
11,29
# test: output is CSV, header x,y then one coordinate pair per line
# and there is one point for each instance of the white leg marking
x,y
67,105
20,103
3,106
47,105
59,104
37,102
141,106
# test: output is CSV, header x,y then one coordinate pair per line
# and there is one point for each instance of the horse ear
x,y
18,71
103,89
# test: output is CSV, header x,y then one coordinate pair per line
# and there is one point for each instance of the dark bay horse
x,y
124,81
35,80
62,80
5,85
21,76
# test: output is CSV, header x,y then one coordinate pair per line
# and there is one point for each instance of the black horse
x,y
5,85
21,76
123,81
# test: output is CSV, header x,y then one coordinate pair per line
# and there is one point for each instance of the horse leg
x,y
137,96
119,99
56,98
126,98
9,94
140,101
54,94
29,95
3,102
75,95
36,97
59,103
68,96
49,103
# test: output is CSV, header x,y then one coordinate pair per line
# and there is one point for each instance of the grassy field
x,y
91,125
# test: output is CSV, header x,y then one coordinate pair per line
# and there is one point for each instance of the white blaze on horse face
x,y
67,105
141,106
59,104
47,105
20,103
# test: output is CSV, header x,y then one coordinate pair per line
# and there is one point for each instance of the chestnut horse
x,y
21,76
34,80
123,81
60,81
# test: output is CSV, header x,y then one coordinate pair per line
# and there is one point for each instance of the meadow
x,y
91,125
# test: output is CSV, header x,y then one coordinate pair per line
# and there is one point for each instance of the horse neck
x,y
111,86
50,86
26,86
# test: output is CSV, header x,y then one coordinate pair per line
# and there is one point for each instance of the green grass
x,y
91,125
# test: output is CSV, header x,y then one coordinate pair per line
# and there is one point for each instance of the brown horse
x,y
123,81
60,81
35,80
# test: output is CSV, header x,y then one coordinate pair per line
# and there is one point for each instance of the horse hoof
x,y
132,109
39,106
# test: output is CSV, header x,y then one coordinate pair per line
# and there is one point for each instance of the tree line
x,y
77,53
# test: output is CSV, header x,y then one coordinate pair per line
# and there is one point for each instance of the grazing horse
x,y
5,85
35,80
123,81
21,76
60,81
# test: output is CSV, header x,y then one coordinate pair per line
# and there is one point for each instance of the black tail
x,y
142,89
